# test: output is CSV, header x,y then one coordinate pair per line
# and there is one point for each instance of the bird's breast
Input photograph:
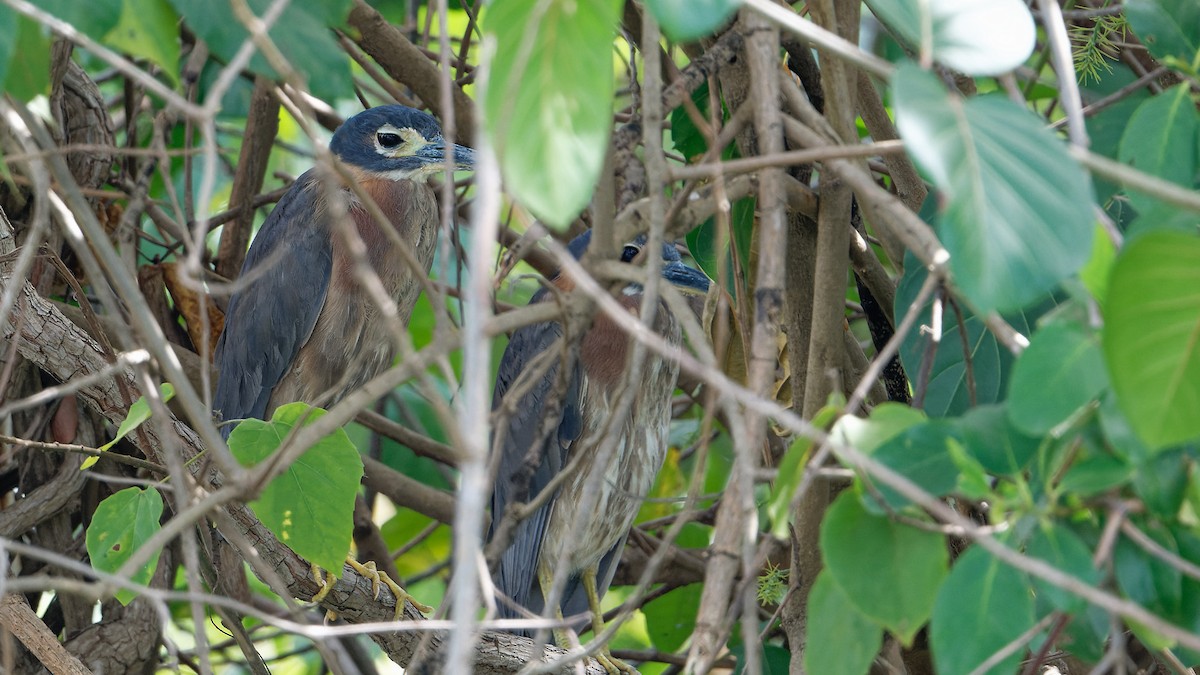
x,y
351,341
618,461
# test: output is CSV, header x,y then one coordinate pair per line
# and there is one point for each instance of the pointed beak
x,y
688,280
435,153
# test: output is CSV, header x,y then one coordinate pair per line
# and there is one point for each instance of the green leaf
x,y
1151,336
8,41
687,138
1154,583
1060,371
149,29
310,506
791,472
1061,547
1096,473
1170,29
671,618
887,421
707,246
1017,210
94,17
983,606
773,659
946,391
122,523
1118,432
302,33
687,20
424,550
841,640
921,454
952,30
1094,274
1161,481
890,572
138,412
548,106
973,481
990,437
1161,140
30,77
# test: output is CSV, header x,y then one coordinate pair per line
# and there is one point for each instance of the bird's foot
x,y
612,664
325,580
603,656
378,577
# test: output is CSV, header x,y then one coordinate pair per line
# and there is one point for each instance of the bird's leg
x,y
546,580
326,580
606,659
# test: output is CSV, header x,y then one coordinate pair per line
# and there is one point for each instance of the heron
x,y
303,328
569,529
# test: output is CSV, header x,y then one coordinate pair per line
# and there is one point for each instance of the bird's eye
x,y
388,140
629,253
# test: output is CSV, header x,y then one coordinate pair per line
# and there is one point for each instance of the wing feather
x,y
271,318
516,575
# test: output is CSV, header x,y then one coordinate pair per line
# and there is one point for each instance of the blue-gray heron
x,y
303,327
584,535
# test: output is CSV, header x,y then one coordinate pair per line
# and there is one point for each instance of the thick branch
x,y
17,618
404,62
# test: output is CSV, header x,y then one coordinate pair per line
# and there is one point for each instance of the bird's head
x,y
397,143
687,280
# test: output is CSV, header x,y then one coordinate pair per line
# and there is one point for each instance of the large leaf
x,y
1061,547
29,74
684,20
1162,480
887,421
94,17
149,29
302,33
946,390
921,454
1151,336
708,247
841,639
1161,140
989,436
122,523
1017,211
548,106
984,605
951,28
310,506
1060,371
8,39
889,571
1170,29
671,618
1156,584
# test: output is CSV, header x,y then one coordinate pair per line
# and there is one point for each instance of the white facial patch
x,y
411,141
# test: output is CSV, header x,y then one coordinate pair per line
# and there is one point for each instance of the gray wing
x,y
516,575
271,318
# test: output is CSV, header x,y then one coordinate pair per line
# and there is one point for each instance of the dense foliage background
x,y
939,414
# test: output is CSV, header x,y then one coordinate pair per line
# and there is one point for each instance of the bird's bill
x,y
435,153
688,280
